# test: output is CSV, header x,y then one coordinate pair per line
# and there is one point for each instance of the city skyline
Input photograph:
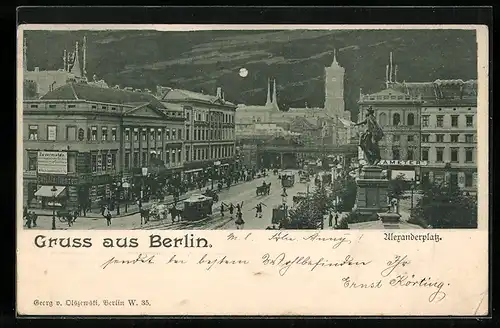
x,y
297,66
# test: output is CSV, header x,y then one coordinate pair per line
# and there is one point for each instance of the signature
x,y
141,258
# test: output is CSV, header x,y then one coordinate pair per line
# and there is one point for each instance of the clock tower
x,y
334,88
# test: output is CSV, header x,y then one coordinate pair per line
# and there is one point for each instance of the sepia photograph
x,y
290,129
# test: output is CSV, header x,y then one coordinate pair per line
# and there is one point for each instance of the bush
x,y
354,217
342,224
418,221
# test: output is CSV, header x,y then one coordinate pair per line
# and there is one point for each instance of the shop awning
x,y
194,170
45,191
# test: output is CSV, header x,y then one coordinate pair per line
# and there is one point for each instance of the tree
x,y
397,187
345,188
309,213
446,206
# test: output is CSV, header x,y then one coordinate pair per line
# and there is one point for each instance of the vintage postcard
x,y
252,170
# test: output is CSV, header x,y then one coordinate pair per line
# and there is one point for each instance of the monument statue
x,y
368,141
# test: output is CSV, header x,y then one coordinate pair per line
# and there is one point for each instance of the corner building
x,y
107,134
449,130
209,130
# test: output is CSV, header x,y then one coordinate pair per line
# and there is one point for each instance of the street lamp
x,y
54,194
413,185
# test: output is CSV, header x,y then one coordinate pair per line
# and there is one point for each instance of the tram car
x,y
197,207
287,179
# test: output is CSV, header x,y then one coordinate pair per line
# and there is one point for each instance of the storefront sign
x,y
52,162
392,162
57,180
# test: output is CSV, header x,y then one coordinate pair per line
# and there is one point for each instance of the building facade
x,y
104,135
209,129
448,131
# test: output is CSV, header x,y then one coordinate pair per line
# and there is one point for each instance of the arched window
x,y
411,119
382,119
396,119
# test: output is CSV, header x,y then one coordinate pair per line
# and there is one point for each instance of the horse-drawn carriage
x,y
197,207
287,179
304,176
299,197
211,193
265,189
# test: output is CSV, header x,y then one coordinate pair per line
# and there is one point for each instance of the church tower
x,y
334,88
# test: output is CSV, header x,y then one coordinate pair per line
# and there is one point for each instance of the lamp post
x,y
54,191
413,185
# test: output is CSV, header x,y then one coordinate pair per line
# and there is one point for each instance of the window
x,y
395,153
468,180
104,133
71,162
173,155
152,134
395,138
104,107
439,120
194,154
94,106
167,157
144,158
425,154
167,134
179,155
469,121
411,119
187,154
113,134
396,119
143,134
454,155
158,134
71,106
127,160
439,137
93,162
34,106
410,154
411,138
94,133
453,178
382,119
71,133
425,138
180,134
32,161
468,155
52,106
113,108
81,134
174,134
439,154
454,121
469,138
51,132
136,159
425,120
454,138
113,161
136,134
187,116
127,134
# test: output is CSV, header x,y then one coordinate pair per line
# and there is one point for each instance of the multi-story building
x,y
398,115
82,139
448,130
209,129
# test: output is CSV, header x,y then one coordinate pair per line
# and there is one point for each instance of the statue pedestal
x,y
371,197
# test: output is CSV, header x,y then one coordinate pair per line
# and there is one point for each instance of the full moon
x,y
243,72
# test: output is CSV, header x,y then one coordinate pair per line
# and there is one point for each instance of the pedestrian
x,y
29,216
222,209
25,211
107,215
330,220
239,221
231,209
336,218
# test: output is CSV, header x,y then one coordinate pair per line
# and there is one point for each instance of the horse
x,y
263,190
174,213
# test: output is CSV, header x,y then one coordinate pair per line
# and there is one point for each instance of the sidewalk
x,y
133,208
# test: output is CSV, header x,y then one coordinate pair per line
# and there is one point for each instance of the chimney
x,y
219,92
37,69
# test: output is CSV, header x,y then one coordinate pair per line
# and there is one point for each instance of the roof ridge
x,y
74,91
